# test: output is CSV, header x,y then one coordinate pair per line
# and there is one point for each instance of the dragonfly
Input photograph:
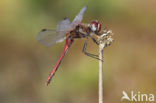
x,y
69,31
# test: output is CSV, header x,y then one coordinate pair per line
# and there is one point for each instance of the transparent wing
x,y
64,25
77,20
49,37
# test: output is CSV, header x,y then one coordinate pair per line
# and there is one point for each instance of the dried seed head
x,y
105,39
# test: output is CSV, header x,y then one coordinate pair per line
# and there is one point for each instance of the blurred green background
x,y
130,62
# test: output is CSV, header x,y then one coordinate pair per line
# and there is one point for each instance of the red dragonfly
x,y
69,31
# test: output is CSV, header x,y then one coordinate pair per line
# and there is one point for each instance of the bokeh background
x,y
130,62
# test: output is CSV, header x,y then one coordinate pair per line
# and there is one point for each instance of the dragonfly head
x,y
95,26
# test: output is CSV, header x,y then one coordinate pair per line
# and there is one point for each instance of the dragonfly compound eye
x,y
95,26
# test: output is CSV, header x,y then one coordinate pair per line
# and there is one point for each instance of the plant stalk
x,y
101,47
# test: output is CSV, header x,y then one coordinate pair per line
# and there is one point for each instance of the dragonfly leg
x,y
89,54
94,40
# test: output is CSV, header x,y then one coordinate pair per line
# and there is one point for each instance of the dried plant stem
x,y
101,47
105,39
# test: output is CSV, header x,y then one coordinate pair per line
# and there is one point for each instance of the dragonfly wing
x,y
49,37
63,28
77,20
64,25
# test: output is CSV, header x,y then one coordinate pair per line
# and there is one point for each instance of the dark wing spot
x,y
65,18
44,30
